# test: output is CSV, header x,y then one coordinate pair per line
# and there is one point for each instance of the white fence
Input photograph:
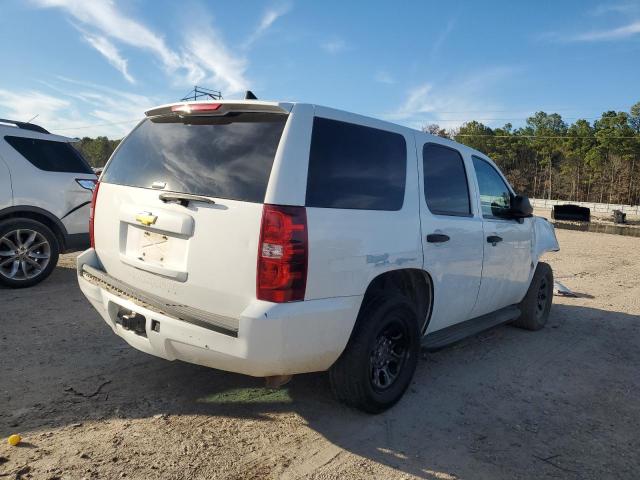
x,y
595,207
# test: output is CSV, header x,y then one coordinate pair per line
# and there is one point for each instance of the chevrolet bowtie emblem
x,y
146,218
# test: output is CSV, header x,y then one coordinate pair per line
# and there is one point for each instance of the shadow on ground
x,y
504,403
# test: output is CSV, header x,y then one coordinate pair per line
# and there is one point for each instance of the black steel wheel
x,y
380,358
389,355
536,305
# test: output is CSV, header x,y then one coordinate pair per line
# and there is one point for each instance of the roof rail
x,y
24,125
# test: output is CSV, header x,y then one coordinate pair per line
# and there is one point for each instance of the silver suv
x,y
45,195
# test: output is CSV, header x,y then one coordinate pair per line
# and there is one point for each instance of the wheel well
x,y
39,217
413,283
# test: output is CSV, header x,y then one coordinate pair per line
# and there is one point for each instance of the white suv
x,y
272,239
45,192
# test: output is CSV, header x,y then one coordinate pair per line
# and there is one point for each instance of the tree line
x,y
546,158
97,150
549,158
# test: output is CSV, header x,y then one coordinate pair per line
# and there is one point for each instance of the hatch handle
x,y
183,198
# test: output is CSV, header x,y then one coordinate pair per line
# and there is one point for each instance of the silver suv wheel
x,y
24,254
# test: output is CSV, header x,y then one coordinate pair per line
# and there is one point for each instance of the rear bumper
x,y
271,339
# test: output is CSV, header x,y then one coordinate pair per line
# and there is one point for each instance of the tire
x,y
536,305
28,244
380,359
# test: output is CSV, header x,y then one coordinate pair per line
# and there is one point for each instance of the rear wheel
x,y
29,252
536,305
378,364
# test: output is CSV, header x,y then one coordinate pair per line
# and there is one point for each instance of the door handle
x,y
494,239
437,238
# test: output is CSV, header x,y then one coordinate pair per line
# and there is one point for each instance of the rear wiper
x,y
183,198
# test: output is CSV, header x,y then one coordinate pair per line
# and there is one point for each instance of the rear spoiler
x,y
218,108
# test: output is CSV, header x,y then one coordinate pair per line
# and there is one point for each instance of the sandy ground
x,y
560,403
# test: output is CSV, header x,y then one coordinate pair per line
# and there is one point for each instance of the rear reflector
x,y
282,254
195,108
92,214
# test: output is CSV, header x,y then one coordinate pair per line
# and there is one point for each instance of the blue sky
x,y
92,67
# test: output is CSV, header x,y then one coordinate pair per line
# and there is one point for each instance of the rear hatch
x,y
180,204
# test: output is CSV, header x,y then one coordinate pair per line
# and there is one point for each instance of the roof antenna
x,y
250,95
201,92
33,118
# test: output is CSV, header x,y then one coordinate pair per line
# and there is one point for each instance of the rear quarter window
x,y
49,156
225,157
355,167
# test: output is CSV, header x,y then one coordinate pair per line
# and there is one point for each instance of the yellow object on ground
x,y
14,440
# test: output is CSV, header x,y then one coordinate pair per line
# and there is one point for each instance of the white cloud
x,y
77,109
204,56
615,8
111,53
618,33
334,46
451,104
24,105
105,16
210,60
268,19
441,38
629,10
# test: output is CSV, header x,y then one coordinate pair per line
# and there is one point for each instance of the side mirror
x,y
521,207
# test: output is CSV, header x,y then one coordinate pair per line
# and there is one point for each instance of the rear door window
x,y
446,190
225,157
355,167
49,155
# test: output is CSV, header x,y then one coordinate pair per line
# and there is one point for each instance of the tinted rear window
x,y
445,181
355,167
229,157
49,155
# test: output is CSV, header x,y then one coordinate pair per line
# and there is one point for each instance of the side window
x,y
446,190
355,167
495,195
49,156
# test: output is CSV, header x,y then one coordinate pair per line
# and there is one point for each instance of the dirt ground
x,y
563,402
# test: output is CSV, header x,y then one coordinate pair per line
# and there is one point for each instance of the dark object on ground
x,y
619,216
571,212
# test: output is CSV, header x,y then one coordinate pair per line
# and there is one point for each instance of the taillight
x,y
282,254
92,214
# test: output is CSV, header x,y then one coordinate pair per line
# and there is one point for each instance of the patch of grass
x,y
249,395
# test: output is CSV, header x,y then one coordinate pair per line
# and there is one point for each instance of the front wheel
x,y
536,305
28,252
380,359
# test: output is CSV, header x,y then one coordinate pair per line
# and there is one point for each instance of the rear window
x,y
445,181
355,167
49,155
225,157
